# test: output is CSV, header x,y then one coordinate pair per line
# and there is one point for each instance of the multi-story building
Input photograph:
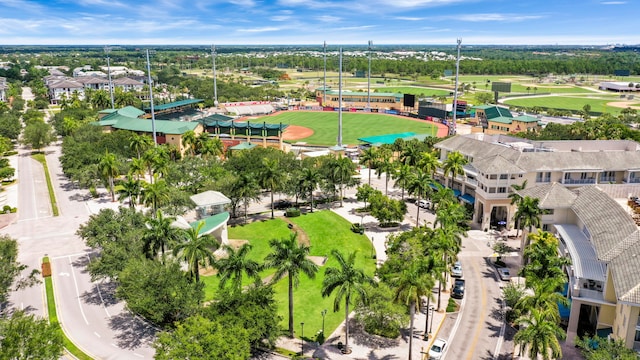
x,y
499,120
360,99
583,188
496,162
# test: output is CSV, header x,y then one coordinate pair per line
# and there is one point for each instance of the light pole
x,y
431,326
107,49
215,86
302,339
324,95
323,312
340,101
153,114
452,130
369,79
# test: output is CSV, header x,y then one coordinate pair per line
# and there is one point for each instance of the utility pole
x,y
324,95
340,101
215,85
107,49
369,79
153,114
452,129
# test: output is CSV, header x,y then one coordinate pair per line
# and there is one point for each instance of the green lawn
x,y
326,231
424,91
566,102
354,125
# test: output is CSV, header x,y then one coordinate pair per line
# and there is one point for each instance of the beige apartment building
x,y
583,186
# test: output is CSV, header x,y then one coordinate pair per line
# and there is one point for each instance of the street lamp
x,y
369,79
153,114
324,95
107,49
452,130
323,312
431,326
302,339
215,86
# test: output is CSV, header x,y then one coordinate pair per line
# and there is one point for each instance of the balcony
x,y
606,179
579,181
587,294
472,182
632,181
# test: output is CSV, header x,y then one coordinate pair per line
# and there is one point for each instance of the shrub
x,y
6,209
357,228
292,212
451,305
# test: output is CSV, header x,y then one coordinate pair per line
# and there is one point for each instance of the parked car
x,y
281,204
458,289
425,204
456,270
437,349
504,274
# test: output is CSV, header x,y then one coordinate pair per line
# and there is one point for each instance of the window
x,y
493,177
543,177
492,190
583,176
502,190
503,176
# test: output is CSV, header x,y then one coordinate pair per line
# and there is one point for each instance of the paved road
x,y
89,314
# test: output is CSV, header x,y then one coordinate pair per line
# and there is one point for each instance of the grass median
x,y
53,319
39,157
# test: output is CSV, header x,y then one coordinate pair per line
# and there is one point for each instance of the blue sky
x,y
243,22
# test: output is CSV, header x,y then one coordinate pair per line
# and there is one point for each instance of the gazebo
x,y
210,203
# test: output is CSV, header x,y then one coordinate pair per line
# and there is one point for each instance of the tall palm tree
x,y
209,147
387,167
110,169
411,284
545,297
246,189
140,143
310,178
411,154
369,156
137,167
271,177
159,235
419,185
290,258
516,199
539,335
131,189
402,177
342,171
196,249
528,215
454,165
155,195
235,264
429,163
348,281
189,141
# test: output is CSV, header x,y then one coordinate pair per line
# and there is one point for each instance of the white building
x,y
3,89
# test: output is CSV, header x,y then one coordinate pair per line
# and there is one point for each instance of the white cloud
x,y
280,18
491,17
244,3
259,30
613,2
407,18
328,18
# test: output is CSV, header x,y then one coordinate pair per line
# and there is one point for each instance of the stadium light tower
x,y
340,101
215,85
324,96
452,129
369,79
107,49
153,115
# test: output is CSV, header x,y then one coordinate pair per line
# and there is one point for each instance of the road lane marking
x,y
483,308
138,355
100,293
98,335
114,345
75,282
496,353
70,255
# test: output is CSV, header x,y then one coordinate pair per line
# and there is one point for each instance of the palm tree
x,y
369,156
516,199
159,234
528,215
110,168
130,189
419,185
155,194
235,264
290,258
539,335
411,154
387,167
411,284
196,249
429,163
403,177
545,297
454,165
136,167
271,177
343,171
189,141
310,178
209,147
140,143
246,189
348,282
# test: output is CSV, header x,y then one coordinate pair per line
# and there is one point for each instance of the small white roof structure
x,y
210,198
